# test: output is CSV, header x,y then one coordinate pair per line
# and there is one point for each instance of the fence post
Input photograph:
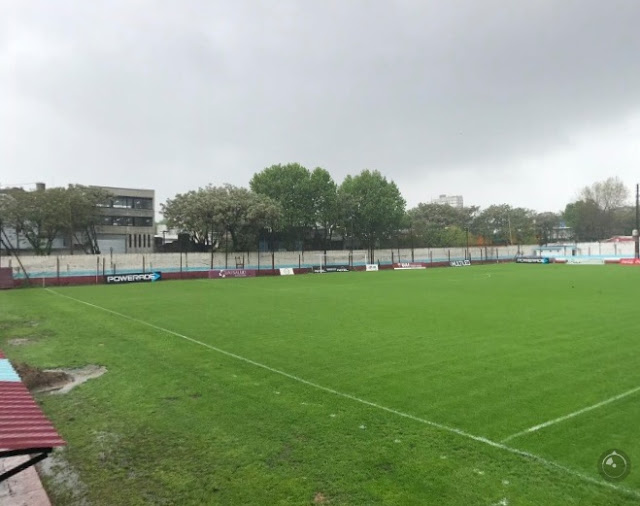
x,y
181,264
449,255
143,264
273,261
58,270
299,261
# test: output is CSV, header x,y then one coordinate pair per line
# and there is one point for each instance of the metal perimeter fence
x,y
111,263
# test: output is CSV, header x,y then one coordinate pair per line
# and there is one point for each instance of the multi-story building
x,y
127,221
126,226
450,200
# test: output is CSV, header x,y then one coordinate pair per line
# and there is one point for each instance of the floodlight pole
x,y
467,256
636,232
211,259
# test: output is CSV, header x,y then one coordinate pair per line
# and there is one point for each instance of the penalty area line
x,y
548,423
445,428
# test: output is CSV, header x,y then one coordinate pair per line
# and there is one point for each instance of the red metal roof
x,y
23,425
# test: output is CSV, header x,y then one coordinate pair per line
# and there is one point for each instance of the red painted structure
x,y
24,429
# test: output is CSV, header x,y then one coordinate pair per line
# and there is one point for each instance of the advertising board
x,y
532,260
136,277
402,266
232,273
331,268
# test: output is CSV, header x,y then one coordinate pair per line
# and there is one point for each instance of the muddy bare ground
x,y
20,341
57,380
37,380
64,479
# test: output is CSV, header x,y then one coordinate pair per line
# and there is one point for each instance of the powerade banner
x,y
286,271
408,265
138,277
331,268
630,261
232,273
532,260
461,263
371,267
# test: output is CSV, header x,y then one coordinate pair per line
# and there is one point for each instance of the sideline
x,y
571,415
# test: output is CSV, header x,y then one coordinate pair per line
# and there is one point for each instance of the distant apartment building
x,y
450,200
127,224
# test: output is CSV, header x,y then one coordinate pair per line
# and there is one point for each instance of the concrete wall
x,y
69,265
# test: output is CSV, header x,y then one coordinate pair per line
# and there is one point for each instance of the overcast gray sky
x,y
518,102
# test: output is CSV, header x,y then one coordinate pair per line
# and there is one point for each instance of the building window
x,y
142,203
139,241
141,221
122,221
122,203
144,240
135,241
129,240
149,240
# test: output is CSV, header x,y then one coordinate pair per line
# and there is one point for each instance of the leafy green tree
x,y
243,213
79,207
586,219
437,225
191,213
503,224
599,211
215,211
375,207
289,185
544,226
36,216
43,215
326,211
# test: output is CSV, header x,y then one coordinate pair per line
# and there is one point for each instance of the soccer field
x,y
489,385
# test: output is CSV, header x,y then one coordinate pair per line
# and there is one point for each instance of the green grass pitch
x,y
355,388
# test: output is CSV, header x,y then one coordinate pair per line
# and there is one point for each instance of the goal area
x,y
341,259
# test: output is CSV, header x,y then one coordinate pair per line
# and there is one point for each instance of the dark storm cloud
x,y
174,95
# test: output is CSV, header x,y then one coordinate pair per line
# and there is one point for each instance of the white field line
x,y
445,428
571,415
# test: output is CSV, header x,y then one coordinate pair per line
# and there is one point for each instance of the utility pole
x,y
636,232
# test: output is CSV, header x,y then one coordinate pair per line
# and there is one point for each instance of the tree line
x,y
41,216
294,208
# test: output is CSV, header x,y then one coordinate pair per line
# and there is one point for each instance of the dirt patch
x,y
58,381
79,376
319,498
19,341
38,380
65,481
